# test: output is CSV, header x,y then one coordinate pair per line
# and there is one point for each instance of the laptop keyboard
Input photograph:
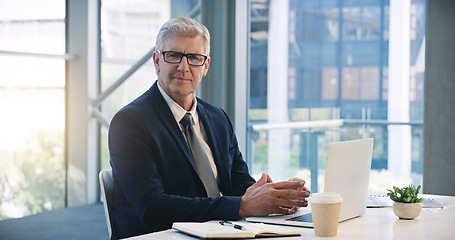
x,y
302,218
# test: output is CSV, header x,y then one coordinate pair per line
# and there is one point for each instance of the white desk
x,y
376,223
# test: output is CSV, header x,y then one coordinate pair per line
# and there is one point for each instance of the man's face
x,y
180,80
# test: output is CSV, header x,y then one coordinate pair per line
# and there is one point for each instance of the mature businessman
x,y
175,157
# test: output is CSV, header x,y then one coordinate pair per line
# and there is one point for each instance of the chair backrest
x,y
107,193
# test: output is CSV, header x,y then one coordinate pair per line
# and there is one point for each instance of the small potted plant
x,y
406,203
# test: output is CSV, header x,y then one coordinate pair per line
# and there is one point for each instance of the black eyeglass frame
x,y
183,55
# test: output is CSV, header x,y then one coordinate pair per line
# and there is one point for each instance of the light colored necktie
x,y
202,161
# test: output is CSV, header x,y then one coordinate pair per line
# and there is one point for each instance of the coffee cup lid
x,y
325,197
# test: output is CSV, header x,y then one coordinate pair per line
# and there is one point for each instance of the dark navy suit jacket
x,y
155,177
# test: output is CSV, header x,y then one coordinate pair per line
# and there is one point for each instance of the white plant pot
x,y
407,210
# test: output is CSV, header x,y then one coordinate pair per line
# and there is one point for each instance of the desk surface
x,y
376,223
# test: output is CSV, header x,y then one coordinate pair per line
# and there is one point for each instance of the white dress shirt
x,y
198,127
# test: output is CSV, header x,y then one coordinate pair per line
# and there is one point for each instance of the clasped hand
x,y
266,197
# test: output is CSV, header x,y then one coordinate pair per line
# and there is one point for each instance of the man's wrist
x,y
242,209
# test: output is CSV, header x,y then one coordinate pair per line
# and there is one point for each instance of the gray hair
x,y
183,26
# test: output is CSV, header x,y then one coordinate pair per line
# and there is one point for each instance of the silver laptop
x,y
347,173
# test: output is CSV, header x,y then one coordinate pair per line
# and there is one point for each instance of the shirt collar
x,y
177,110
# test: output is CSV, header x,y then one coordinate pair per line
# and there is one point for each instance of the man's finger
x,y
297,179
295,195
284,210
288,184
263,180
291,203
269,179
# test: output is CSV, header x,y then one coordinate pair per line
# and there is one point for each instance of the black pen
x,y
227,223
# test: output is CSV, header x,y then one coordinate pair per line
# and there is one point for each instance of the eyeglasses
x,y
176,57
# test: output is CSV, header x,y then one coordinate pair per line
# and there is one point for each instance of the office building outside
x,y
361,62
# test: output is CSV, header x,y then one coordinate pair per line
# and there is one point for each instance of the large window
x,y
326,67
32,106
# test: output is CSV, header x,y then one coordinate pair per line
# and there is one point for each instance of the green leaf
x,y
394,198
405,194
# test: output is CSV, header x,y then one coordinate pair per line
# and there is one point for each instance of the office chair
x,y
107,193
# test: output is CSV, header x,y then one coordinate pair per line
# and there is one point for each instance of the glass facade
x,y
32,106
335,66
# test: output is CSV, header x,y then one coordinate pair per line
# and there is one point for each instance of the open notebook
x,y
215,229
347,173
